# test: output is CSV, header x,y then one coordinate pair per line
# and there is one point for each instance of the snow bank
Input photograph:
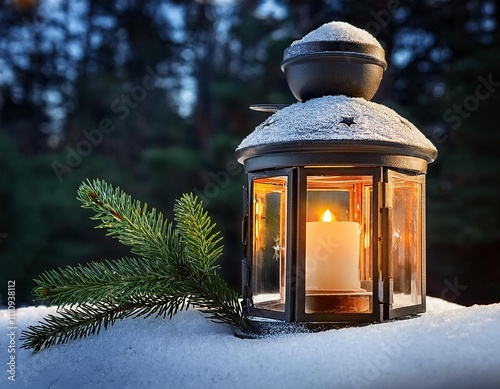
x,y
449,346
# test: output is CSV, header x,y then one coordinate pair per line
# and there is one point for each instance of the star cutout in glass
x,y
348,121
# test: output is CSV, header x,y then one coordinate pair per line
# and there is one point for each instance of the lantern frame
x,y
294,316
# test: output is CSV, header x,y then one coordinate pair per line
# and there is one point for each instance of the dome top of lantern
x,y
335,59
336,122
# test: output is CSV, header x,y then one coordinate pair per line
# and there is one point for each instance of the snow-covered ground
x,y
449,346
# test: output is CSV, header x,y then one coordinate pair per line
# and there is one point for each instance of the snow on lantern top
x,y
335,59
333,71
339,31
336,122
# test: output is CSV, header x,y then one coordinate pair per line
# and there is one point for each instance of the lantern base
x,y
338,301
260,327
264,327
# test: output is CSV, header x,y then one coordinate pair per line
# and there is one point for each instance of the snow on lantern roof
x,y
338,38
339,119
339,31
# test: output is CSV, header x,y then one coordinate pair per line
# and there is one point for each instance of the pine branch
x,y
218,301
201,247
111,281
177,267
88,319
196,229
145,231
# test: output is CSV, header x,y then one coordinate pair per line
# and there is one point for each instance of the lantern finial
x,y
335,59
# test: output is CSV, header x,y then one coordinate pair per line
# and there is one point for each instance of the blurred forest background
x,y
153,97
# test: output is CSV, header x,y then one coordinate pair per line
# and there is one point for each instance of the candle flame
x,y
329,217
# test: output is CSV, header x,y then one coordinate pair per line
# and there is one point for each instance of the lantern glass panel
x,y
338,268
268,270
406,237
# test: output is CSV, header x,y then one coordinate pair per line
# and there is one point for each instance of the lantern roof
x,y
334,71
337,120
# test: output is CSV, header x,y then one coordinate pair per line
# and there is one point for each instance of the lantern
x,y
334,210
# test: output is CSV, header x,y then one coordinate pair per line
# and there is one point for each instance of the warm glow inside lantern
x,y
334,227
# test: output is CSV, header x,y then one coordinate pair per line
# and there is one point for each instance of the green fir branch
x,y
219,302
111,281
201,245
176,267
88,319
202,249
146,231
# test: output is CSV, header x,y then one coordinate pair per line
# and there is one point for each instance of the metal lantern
x,y
334,210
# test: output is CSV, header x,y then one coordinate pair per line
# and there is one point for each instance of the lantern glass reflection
x,y
338,260
406,237
269,237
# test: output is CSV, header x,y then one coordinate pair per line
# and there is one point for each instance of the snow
x,y
321,119
339,31
338,38
449,346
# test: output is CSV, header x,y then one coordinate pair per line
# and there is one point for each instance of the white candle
x,y
332,255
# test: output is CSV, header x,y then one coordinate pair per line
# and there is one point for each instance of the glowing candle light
x,y
332,255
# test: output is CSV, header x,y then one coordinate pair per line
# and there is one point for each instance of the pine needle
x,y
88,319
111,281
145,231
201,245
176,268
